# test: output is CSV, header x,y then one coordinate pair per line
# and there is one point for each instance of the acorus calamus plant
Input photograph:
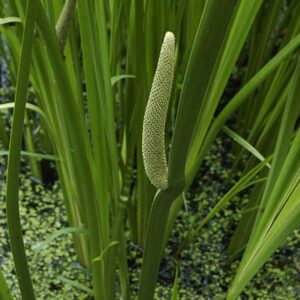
x,y
91,66
154,155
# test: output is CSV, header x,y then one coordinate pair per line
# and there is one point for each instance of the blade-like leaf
x,y
280,195
76,285
34,155
4,290
117,78
13,168
241,141
55,235
9,20
175,289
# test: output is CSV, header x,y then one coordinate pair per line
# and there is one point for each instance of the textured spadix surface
x,y
153,144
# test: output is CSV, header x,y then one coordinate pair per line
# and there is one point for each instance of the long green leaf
x,y
246,181
55,235
116,78
237,34
206,53
33,155
242,95
30,106
214,22
76,285
175,289
281,193
246,145
4,290
13,169
9,20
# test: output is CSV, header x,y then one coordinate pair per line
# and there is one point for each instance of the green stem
x,y
154,243
34,164
13,169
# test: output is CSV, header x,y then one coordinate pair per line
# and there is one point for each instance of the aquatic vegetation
x,y
125,164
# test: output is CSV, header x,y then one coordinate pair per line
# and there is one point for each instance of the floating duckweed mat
x,y
204,273
43,213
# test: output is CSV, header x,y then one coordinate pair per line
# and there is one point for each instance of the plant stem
x,y
13,169
154,242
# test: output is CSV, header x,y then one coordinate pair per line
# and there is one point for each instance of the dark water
x,y
3,70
